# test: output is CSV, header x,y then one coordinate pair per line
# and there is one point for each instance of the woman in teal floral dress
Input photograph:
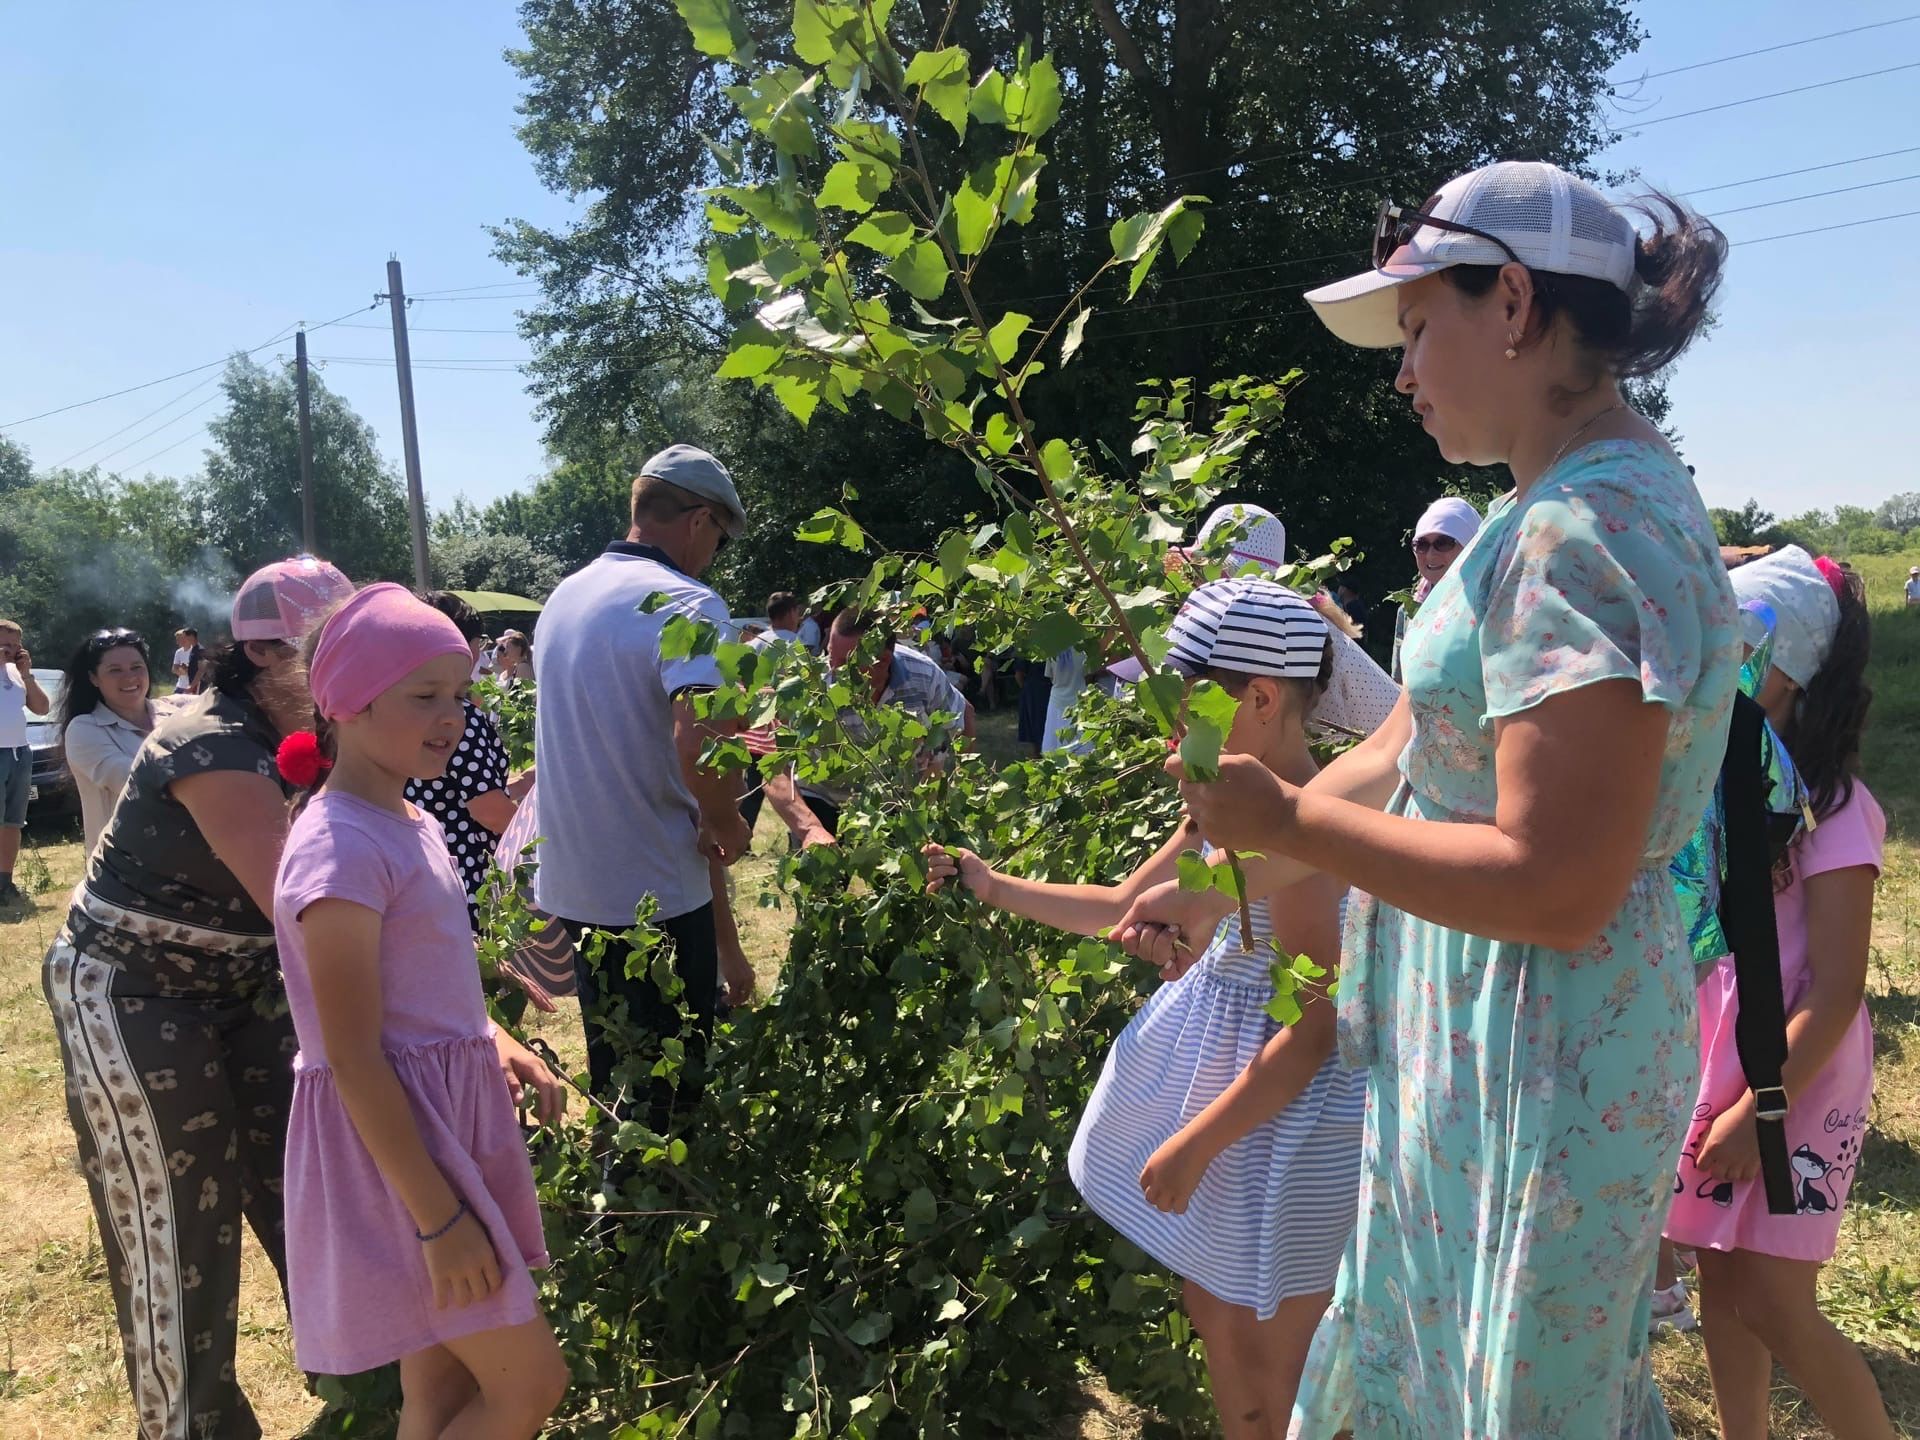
x,y
1516,979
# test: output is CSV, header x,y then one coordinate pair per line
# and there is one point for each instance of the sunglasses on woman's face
x,y
1438,544
1397,226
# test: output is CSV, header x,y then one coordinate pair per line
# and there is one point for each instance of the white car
x,y
52,790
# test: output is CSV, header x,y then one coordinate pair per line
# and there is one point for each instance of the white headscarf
x,y
1789,594
1450,516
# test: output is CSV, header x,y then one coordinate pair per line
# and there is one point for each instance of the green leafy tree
x,y
250,492
1294,121
490,560
16,469
1900,513
1749,525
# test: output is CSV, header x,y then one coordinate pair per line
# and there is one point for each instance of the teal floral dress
x,y
1525,1106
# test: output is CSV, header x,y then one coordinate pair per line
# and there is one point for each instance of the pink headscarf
x,y
372,643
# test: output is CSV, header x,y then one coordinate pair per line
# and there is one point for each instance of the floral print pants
x,y
179,1104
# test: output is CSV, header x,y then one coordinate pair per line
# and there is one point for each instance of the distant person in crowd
x,y
470,799
483,662
166,995
898,675
952,663
105,716
783,618
813,629
627,810
1349,599
1032,704
188,654
1516,982
20,694
1440,535
1759,1272
513,659
410,1205
1913,588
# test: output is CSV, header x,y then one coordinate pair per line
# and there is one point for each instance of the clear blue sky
x,y
188,179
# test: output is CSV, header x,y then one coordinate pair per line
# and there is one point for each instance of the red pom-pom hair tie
x,y
300,761
1836,577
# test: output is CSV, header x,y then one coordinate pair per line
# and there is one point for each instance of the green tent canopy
x,y
498,602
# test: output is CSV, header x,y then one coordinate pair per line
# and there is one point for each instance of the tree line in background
x,y
1842,532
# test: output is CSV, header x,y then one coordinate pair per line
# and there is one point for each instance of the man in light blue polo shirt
x,y
625,809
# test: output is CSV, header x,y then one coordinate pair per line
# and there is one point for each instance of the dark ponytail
x,y
1679,265
1823,737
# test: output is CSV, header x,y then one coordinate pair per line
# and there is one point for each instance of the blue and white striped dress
x,y
1271,1217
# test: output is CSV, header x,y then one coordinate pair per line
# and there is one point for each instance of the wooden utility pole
x,y
396,297
309,540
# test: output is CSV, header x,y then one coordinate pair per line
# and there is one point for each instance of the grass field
x,y
60,1376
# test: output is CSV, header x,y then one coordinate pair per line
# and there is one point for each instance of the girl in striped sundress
x,y
1224,1145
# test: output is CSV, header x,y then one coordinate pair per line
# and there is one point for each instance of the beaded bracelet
x,y
428,1239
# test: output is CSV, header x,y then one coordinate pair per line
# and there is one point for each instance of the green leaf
x,y
822,30
1283,1009
1210,712
954,551
920,269
887,232
854,185
753,350
829,526
801,396
921,1209
1162,693
1041,106
1028,103
871,1328
717,29
1136,240
1076,333
974,219
1194,871
1001,436
942,78
996,192
1019,532
952,1310
1184,232
1056,458
1055,631
1004,338
777,103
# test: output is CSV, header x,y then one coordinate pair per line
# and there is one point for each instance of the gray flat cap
x,y
698,473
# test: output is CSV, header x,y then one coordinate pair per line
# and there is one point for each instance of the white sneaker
x,y
1672,1310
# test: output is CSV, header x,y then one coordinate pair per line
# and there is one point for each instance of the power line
x,y
1823,229
1803,170
1770,95
158,453
163,425
1819,194
1767,50
465,289
190,370
166,404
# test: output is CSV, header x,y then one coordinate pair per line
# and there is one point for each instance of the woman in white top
x,y
106,715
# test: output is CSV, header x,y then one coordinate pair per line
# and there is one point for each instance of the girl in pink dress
x,y
411,1215
1758,1270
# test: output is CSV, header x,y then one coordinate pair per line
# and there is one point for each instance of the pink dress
x,y
1828,1119
356,1277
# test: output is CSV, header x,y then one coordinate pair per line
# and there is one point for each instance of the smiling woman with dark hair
x,y
105,715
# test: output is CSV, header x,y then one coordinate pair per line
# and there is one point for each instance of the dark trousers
x,y
179,1104
696,960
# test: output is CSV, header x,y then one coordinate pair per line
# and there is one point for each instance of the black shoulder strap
x,y
1746,914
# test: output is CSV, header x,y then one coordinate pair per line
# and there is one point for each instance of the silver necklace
x,y
1592,420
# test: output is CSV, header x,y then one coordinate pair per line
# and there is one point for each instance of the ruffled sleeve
x,y
1596,585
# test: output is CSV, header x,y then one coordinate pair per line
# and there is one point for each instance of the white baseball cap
x,y
1524,210
1449,516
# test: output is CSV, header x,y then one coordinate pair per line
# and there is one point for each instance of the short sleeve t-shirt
x,y
618,819
917,684
1913,588
344,848
155,871
478,765
13,709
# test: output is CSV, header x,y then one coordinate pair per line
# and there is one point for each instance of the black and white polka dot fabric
x,y
479,764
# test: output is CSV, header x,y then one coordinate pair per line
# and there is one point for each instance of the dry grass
x,y
60,1376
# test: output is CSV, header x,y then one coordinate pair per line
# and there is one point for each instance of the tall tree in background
x,y
1296,121
250,495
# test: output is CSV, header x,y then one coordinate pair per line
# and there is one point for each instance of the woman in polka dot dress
x,y
470,801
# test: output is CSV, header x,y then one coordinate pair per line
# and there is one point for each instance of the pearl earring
x,y
1513,339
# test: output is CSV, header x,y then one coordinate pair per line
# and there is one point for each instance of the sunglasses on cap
x,y
1397,226
1440,544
